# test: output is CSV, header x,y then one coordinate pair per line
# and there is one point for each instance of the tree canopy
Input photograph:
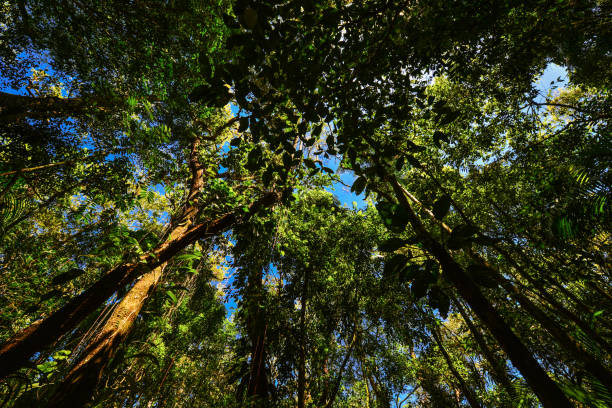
x,y
176,220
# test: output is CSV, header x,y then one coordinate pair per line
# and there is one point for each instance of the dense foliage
x,y
174,221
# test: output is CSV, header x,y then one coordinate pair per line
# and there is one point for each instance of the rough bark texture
x,y
15,353
14,108
79,385
302,362
83,379
544,387
257,328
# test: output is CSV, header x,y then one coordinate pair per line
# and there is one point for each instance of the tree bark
x,y
302,362
465,390
80,383
545,388
497,365
14,108
15,353
257,326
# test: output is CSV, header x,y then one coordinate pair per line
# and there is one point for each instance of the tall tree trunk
x,y
82,380
465,390
574,347
257,328
498,369
544,387
14,108
79,385
15,353
338,381
302,362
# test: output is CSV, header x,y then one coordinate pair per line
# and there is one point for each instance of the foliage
x,y
475,272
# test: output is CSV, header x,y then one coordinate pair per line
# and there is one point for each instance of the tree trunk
x,y
568,342
15,353
545,388
14,108
82,380
302,362
497,365
336,385
465,390
80,383
257,388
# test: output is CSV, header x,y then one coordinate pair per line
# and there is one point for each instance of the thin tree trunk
x,y
465,390
544,387
257,327
338,381
560,309
497,365
258,382
302,362
565,339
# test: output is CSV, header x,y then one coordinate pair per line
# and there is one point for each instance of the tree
x,y
481,258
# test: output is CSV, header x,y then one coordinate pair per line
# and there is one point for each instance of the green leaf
x,y
309,163
188,257
413,162
399,163
172,296
244,123
359,185
236,142
438,300
441,207
464,231
419,286
61,355
461,236
394,216
287,160
413,147
254,159
439,136
47,366
394,264
449,117
393,244
481,275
